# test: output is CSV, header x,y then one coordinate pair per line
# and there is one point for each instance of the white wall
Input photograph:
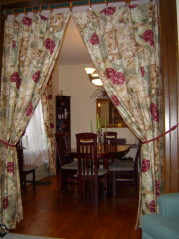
x,y
74,82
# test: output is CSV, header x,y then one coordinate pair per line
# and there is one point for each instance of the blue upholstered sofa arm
x,y
165,224
169,204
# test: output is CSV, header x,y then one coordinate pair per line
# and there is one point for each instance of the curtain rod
x,y
52,6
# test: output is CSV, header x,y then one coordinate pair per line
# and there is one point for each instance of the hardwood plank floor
x,y
50,213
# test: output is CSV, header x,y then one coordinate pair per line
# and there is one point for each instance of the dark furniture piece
x,y
125,170
67,166
89,173
121,141
106,152
25,169
28,169
19,149
110,138
63,116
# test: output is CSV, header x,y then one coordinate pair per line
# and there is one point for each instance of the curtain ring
x,y
89,3
34,11
71,6
106,2
49,8
14,13
128,2
25,11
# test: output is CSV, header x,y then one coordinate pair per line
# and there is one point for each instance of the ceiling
x,y
73,50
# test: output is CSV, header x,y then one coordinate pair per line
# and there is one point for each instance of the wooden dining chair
x,y
25,169
89,174
121,141
110,138
125,171
68,167
29,169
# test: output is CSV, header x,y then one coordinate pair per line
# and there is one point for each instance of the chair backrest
x,y
87,154
121,140
110,138
62,148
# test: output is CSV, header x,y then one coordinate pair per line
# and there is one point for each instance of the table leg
x,y
34,180
105,165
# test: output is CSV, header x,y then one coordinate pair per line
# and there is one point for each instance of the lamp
x,y
93,76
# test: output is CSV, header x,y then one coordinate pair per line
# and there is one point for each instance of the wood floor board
x,y
50,213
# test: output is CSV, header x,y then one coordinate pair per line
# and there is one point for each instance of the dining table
x,y
106,153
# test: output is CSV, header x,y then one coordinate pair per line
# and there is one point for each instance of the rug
x,y
23,236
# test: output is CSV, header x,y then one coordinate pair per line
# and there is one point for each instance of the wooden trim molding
x,y
2,20
169,55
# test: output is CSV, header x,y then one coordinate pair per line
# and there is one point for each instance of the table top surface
x,y
109,149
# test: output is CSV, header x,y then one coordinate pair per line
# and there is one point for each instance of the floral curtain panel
x,y
47,108
123,43
31,45
34,140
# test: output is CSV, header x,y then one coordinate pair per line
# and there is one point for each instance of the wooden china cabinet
x,y
63,116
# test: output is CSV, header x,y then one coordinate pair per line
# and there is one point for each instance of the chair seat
x,y
72,165
125,167
29,167
123,163
101,161
101,172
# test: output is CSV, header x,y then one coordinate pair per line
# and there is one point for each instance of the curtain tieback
x,y
158,137
7,144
